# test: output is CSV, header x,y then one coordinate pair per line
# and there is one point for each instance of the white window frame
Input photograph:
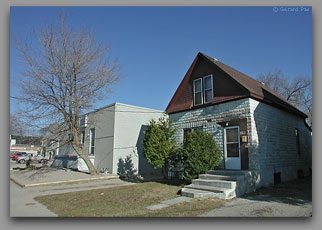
x,y
194,91
212,89
90,142
203,90
83,136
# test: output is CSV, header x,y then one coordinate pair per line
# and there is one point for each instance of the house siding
x,y
273,144
128,138
217,113
103,122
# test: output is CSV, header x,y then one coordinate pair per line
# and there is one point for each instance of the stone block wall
x,y
209,117
273,147
271,136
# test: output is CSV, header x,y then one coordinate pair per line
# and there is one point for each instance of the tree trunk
x,y
80,152
165,170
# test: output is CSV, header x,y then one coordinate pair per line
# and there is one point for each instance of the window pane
x,y
83,137
232,150
92,141
208,96
207,82
198,86
198,98
185,133
232,135
93,137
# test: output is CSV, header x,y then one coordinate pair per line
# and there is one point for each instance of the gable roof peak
x,y
253,88
211,58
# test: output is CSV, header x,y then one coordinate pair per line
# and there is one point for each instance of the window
x,y
297,135
186,131
203,90
83,121
92,141
197,91
208,92
83,137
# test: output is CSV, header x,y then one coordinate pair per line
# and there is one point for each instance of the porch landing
x,y
223,184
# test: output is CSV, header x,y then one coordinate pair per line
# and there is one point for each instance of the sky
x,y
155,46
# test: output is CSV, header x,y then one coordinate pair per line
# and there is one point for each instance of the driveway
x,y
292,199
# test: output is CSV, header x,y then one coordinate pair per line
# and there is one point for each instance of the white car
x,y
38,158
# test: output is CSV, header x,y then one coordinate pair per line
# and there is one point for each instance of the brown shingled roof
x,y
254,88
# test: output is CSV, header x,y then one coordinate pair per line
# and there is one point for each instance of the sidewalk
x,y
26,206
52,176
48,181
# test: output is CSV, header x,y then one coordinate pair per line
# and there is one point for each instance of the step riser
x,y
214,177
201,195
221,195
229,185
197,195
205,188
229,173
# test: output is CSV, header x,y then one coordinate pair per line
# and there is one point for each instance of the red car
x,y
14,157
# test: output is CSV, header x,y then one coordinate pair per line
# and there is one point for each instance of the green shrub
x,y
159,143
28,161
199,154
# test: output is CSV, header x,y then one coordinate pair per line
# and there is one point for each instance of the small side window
x,y
92,142
83,137
297,135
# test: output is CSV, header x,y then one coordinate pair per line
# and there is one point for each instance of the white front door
x,y
232,148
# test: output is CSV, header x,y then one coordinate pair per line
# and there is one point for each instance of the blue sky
x,y
156,45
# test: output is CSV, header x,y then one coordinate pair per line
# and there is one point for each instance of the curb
x,y
62,182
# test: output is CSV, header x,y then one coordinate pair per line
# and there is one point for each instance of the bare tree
x,y
16,126
297,91
66,73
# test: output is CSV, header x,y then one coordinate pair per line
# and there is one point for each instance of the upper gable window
x,y
197,88
203,90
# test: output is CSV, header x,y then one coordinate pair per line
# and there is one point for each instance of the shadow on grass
x,y
138,179
175,181
297,192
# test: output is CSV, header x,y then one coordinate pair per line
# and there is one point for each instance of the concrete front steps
x,y
223,184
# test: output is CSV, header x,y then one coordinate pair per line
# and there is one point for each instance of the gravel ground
x,y
292,199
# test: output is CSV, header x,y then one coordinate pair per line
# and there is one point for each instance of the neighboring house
x,y
28,144
256,129
51,148
51,140
112,137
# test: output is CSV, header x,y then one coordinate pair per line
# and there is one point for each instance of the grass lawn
x,y
126,201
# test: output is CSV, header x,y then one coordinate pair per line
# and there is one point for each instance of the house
x,y
112,137
28,144
261,135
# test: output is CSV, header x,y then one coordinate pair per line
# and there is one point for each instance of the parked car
x,y
21,154
38,158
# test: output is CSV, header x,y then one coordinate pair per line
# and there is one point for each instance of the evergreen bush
x,y
199,154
